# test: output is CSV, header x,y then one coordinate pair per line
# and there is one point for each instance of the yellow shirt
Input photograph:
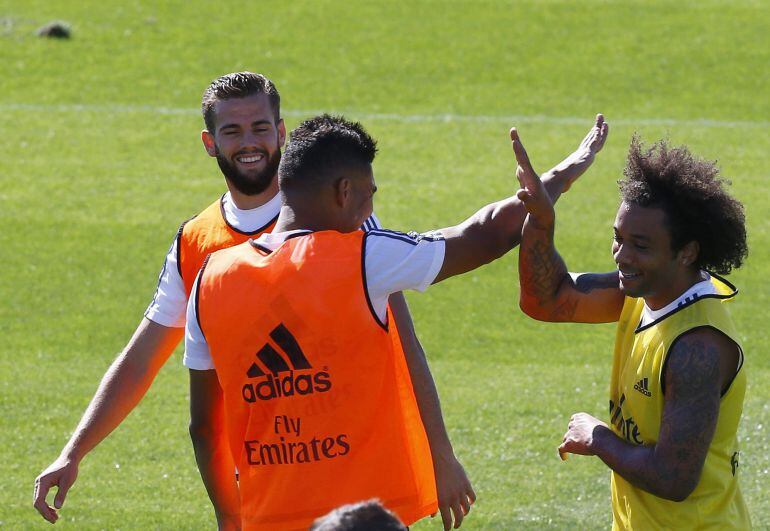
x,y
636,408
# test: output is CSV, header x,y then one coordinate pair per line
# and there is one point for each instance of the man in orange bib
x,y
245,133
316,395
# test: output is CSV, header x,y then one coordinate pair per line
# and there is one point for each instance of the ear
x,y
208,143
688,254
342,191
281,133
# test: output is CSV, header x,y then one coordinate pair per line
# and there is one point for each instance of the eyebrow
x,y
634,236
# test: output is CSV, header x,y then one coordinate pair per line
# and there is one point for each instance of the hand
x,y
533,194
63,472
455,493
571,168
579,438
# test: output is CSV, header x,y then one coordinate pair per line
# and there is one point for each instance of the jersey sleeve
x,y
170,300
196,350
396,261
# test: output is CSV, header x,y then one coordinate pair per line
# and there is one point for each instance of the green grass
x,y
91,196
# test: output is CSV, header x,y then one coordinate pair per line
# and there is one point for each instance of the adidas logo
x,y
642,387
281,376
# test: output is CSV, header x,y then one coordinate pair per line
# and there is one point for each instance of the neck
x,y
674,290
303,218
247,202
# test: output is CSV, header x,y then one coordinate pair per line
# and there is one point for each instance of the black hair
x,y
363,516
694,200
238,85
321,150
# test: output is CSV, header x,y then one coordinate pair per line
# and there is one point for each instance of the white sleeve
x,y
170,300
196,350
395,261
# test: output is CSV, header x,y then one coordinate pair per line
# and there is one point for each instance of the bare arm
x,y
497,228
455,493
212,452
548,291
700,365
122,387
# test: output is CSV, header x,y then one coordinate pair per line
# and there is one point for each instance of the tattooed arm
x,y
548,291
700,366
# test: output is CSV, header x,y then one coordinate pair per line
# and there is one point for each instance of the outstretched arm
x,y
122,387
548,291
700,365
455,493
212,452
496,229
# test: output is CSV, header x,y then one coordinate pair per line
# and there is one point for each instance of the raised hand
x,y
575,165
533,194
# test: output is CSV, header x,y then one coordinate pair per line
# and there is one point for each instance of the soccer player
x,y
296,326
245,132
678,377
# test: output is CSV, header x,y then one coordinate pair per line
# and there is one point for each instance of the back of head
x,y
238,85
694,199
322,150
363,516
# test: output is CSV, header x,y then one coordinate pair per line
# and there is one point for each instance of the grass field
x,y
101,160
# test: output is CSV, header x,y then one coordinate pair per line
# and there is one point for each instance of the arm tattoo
x,y
672,467
542,270
587,282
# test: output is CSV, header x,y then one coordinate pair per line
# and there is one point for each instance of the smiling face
x,y
246,142
648,266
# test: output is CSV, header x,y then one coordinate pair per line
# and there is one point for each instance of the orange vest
x,y
205,233
319,406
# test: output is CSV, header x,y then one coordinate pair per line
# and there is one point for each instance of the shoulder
x,y
699,360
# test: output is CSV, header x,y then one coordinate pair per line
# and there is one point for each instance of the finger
x,y
563,455
471,494
599,120
457,510
446,517
523,196
64,486
466,504
521,154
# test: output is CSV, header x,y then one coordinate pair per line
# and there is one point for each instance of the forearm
x,y
642,466
217,469
121,389
423,384
541,272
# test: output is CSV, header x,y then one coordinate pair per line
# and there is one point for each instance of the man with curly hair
x,y
678,381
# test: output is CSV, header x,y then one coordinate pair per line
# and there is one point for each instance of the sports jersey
x,y
220,225
319,406
644,339
394,261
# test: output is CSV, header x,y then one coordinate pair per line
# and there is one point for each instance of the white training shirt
x,y
169,303
393,261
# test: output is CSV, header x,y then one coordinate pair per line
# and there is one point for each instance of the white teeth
x,y
250,158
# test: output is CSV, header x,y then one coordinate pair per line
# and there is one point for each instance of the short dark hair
x,y
693,198
363,516
238,85
320,149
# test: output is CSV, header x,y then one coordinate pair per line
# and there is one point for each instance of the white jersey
x,y
393,262
169,303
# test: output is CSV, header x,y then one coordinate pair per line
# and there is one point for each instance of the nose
x,y
620,253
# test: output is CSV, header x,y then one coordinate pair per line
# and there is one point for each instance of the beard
x,y
247,184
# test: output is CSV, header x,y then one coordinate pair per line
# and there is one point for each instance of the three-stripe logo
x,y
283,377
642,387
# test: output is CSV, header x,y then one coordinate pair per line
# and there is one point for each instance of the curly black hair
x,y
694,199
238,85
321,149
